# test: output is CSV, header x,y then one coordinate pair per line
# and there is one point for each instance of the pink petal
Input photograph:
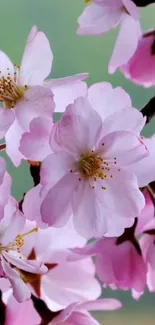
x,y
125,146
38,101
55,208
15,312
88,212
5,191
145,168
2,169
12,139
146,220
121,198
127,119
34,267
67,89
6,66
126,43
20,289
37,59
100,304
34,145
7,233
106,100
131,8
140,71
78,129
56,166
97,19
31,205
7,117
71,282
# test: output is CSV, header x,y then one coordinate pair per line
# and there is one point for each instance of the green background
x,y
74,54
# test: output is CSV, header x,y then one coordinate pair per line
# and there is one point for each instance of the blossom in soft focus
x,y
11,259
92,177
141,66
146,226
20,313
79,313
100,16
119,263
26,94
65,282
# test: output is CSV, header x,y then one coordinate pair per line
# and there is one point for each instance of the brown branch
x,y
45,313
149,110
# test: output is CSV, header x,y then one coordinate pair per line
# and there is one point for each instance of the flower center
x,y
18,243
10,92
91,166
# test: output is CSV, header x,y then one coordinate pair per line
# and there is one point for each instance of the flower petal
x,y
78,129
20,289
12,139
123,146
126,43
34,145
100,304
145,168
67,89
37,59
97,19
7,117
6,66
38,101
107,100
127,119
55,208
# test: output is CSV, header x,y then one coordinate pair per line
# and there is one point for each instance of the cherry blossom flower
x,y
91,168
119,263
138,69
78,313
65,282
100,16
11,260
26,94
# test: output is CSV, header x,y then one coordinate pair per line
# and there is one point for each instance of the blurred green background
x,y
74,54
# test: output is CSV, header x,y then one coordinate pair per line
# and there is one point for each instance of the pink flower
x,y
65,282
91,168
102,15
119,263
21,313
148,249
26,94
11,260
35,144
78,313
139,70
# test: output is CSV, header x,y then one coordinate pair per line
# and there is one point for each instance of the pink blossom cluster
x,y
134,50
93,176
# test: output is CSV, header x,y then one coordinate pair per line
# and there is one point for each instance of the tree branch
x,y
149,110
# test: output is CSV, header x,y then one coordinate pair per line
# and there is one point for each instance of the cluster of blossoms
x,y
93,177
134,49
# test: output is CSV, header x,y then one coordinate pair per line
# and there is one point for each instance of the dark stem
x,y
35,173
149,110
45,313
129,235
143,3
2,311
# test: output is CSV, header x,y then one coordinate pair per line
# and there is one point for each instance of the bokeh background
x,y
75,54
